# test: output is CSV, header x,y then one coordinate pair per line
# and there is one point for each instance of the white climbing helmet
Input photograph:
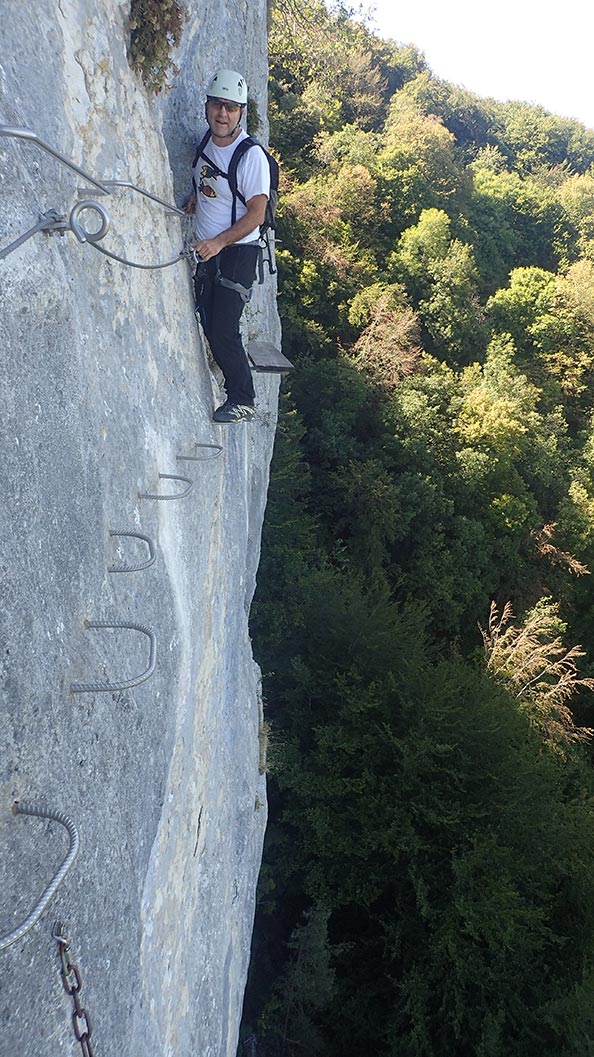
x,y
228,84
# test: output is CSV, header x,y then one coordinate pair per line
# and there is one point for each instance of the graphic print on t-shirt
x,y
207,185
214,201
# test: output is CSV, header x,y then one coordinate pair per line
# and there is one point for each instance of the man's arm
x,y
256,210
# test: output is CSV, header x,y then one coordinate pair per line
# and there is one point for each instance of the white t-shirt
x,y
214,200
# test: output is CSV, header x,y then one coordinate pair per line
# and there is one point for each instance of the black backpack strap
x,y
200,149
198,155
241,149
265,253
201,153
270,258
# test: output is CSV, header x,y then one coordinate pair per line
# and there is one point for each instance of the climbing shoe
x,y
232,412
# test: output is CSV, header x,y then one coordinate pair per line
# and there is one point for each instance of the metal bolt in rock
x,y
138,566
101,686
32,919
169,477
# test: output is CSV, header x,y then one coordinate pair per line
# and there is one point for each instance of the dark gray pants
x,y
220,312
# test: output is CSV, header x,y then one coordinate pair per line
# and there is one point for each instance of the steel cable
x,y
134,264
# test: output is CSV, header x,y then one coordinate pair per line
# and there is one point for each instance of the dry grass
x,y
533,662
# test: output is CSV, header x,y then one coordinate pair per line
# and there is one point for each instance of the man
x,y
228,249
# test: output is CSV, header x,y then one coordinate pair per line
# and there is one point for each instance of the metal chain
x,y
72,983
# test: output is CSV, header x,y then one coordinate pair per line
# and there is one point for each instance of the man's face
x,y
222,115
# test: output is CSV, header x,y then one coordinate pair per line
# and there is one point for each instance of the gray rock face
x,y
105,383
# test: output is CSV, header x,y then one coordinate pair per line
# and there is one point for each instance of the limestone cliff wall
x,y
104,383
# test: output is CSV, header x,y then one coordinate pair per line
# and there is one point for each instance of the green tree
x,y
513,221
419,165
311,53
468,117
517,308
576,195
532,136
427,883
551,319
443,277
387,348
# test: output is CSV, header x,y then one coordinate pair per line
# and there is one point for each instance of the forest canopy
x,y
424,615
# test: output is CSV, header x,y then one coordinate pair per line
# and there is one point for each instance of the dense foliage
x,y
156,28
428,882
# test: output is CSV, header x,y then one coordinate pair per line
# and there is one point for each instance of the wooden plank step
x,y
265,356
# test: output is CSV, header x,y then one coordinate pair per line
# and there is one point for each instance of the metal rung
x,y
122,567
56,816
217,450
142,191
266,357
32,137
169,477
124,684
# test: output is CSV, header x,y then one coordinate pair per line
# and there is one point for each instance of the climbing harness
x,y
57,816
72,984
245,292
54,223
201,271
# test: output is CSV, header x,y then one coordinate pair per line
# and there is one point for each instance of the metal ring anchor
x,y
50,891
124,684
103,187
54,223
122,567
169,477
217,450
81,233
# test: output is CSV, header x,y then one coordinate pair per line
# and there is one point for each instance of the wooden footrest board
x,y
265,356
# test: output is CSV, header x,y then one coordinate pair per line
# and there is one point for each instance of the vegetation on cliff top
x,y
156,28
